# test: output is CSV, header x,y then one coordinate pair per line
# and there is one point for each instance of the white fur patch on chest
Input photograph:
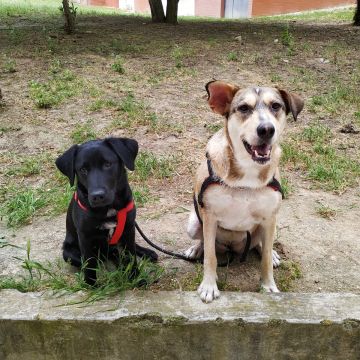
x,y
109,224
241,209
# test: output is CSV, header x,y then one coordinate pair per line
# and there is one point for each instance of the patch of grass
x,y
83,133
134,112
331,15
122,46
54,276
288,272
192,281
148,165
9,65
20,205
312,152
178,56
60,87
118,65
232,56
325,211
141,194
16,36
287,39
334,101
58,195
214,127
27,165
286,186
99,104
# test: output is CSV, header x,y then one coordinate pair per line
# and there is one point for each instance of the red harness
x,y
121,216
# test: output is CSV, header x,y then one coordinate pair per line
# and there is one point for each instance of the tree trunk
x,y
172,10
357,14
157,11
69,17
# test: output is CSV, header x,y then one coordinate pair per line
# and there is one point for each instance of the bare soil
x,y
166,68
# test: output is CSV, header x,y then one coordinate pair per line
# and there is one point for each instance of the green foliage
x,y
148,165
118,65
288,272
232,56
287,40
20,205
9,65
54,276
178,56
83,133
320,160
134,112
48,94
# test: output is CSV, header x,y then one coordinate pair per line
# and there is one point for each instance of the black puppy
x,y
101,216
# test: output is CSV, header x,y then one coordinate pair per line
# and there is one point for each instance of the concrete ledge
x,y
177,325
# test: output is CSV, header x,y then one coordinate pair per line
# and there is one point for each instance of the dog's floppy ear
x,y
126,149
293,103
66,163
220,95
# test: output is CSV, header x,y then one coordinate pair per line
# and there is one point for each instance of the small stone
x,y
285,60
276,41
238,38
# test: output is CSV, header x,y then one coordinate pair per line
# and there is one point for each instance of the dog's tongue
x,y
262,150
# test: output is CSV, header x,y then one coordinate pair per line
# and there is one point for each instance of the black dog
x,y
101,216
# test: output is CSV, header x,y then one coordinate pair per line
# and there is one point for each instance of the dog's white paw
x,y
276,260
194,252
208,291
271,288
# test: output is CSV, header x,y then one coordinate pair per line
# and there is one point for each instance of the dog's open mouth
x,y
259,153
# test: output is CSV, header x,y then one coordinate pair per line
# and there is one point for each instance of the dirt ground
x,y
166,68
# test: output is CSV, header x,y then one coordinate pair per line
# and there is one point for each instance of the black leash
x,y
181,256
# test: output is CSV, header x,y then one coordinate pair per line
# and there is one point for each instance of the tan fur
x,y
245,202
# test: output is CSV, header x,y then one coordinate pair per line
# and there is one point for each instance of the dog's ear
x,y
126,149
220,95
293,103
66,163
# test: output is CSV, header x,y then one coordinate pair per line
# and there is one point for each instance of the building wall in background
x,y
228,8
110,3
274,7
212,8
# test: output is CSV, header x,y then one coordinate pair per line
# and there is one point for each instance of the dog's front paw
x,y
276,260
194,252
208,291
269,288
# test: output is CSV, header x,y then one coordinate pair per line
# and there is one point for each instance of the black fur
x,y
102,185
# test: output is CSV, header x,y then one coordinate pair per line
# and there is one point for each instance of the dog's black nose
x,y
97,197
265,131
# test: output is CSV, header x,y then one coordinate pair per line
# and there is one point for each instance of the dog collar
x,y
121,216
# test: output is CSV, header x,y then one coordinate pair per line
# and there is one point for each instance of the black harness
x,y
214,179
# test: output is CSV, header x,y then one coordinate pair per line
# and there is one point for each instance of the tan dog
x,y
242,160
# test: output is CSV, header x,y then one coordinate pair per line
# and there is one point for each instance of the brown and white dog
x,y
244,158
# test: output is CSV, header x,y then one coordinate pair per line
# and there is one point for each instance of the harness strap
x,y
275,185
121,220
210,180
213,179
121,216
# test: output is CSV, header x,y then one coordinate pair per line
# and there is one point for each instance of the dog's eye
x,y
244,108
84,171
275,106
107,164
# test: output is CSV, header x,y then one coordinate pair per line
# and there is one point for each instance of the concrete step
x,y
177,325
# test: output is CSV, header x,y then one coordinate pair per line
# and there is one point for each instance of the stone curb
x,y
177,325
